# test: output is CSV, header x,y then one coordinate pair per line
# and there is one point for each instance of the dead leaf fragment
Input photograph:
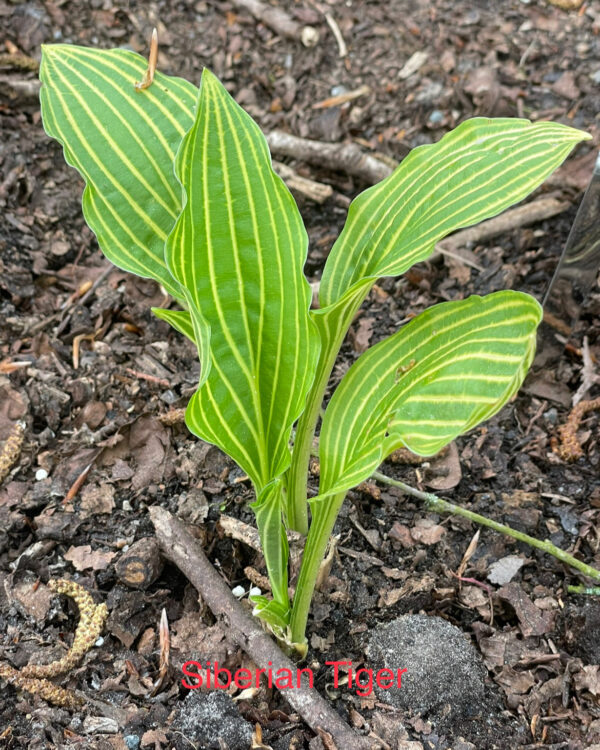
x,y
427,531
96,499
445,471
588,679
401,533
505,569
413,64
362,336
82,558
532,620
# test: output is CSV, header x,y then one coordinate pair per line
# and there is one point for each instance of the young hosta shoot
x,y
180,189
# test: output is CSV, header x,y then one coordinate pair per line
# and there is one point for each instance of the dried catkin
x,y
570,448
44,688
91,621
11,450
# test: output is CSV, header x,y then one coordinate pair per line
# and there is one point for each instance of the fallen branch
x,y
180,547
435,503
314,191
341,157
353,160
279,21
521,216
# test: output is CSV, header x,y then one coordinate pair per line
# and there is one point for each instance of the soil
x,y
91,375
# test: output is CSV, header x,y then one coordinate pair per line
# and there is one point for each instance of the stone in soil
x,y
209,720
445,674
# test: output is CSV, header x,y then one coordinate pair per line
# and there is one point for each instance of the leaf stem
x,y
433,502
314,552
297,505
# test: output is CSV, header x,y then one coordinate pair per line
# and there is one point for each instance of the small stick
x,y
435,503
314,191
341,157
336,101
179,546
77,484
150,378
335,29
521,216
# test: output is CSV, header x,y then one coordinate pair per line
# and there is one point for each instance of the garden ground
x,y
93,375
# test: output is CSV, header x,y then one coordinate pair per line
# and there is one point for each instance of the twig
x,y
279,21
181,548
348,96
342,157
78,483
149,378
435,503
529,213
314,191
21,90
335,29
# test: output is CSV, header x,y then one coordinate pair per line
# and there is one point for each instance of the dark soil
x,y
538,643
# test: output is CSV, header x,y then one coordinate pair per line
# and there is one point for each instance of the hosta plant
x,y
180,189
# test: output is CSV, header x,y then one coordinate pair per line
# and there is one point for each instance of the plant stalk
x,y
314,552
297,485
435,503
297,476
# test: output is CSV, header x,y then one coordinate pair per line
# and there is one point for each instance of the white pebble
x,y
238,591
255,591
41,474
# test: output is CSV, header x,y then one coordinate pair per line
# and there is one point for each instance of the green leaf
x,y
272,612
238,250
477,170
123,143
450,368
180,320
268,509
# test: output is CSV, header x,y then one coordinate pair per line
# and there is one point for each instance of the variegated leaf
x,y
180,320
474,172
477,170
238,249
123,142
450,368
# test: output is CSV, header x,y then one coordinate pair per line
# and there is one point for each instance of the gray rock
x,y
445,675
211,719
